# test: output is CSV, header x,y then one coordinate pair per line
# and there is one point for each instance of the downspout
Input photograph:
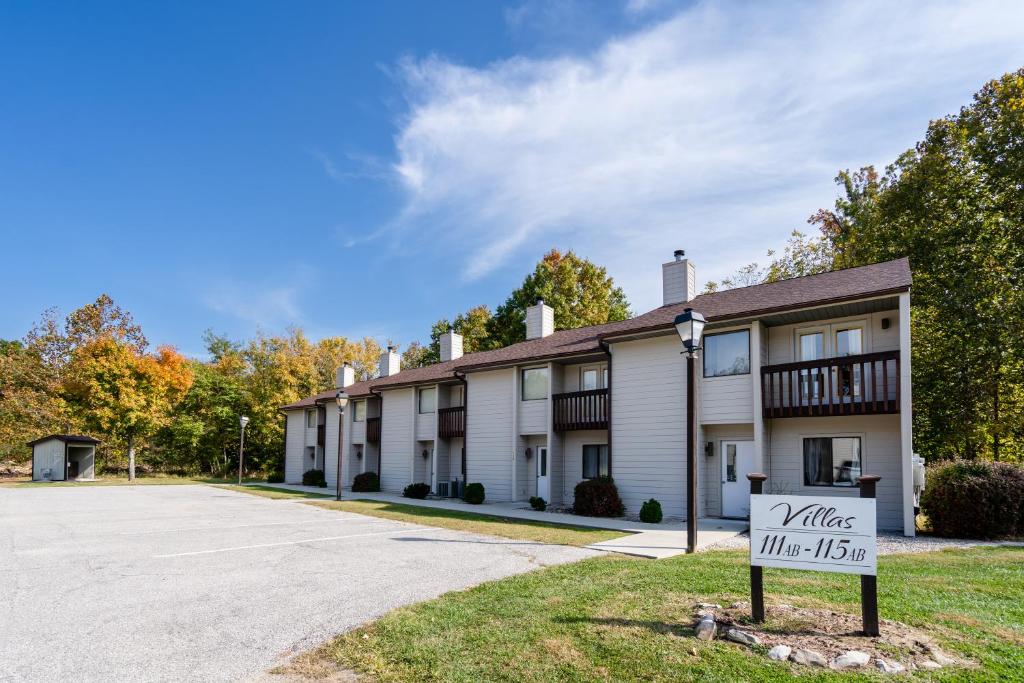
x,y
380,442
608,351
461,376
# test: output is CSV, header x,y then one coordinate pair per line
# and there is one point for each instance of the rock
x,y
850,660
888,667
742,637
780,653
808,657
940,658
739,605
708,605
929,665
705,628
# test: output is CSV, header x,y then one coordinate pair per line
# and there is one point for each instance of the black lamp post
x,y
243,420
341,398
690,326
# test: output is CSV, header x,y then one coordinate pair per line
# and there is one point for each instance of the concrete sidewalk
x,y
656,541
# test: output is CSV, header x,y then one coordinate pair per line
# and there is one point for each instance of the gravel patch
x,y
888,543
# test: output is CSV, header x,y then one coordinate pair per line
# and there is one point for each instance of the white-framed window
x,y
727,353
595,461
359,411
534,383
457,396
593,377
311,418
832,460
849,341
428,400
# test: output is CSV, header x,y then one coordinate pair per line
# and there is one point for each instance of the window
x,y
595,462
727,354
456,396
588,379
359,411
832,461
849,342
730,462
428,400
535,384
311,418
812,381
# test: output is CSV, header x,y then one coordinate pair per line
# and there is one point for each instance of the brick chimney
x,y
678,279
345,377
451,345
390,362
540,320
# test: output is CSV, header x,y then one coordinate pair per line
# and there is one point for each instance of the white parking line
x,y
308,540
353,518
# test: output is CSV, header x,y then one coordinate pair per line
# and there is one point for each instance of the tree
x,y
415,356
472,325
580,292
125,393
30,401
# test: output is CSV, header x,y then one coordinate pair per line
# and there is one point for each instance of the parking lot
x,y
200,583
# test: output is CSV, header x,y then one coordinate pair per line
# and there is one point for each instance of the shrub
x,y
275,478
314,478
974,499
474,493
538,503
418,491
650,512
598,498
367,482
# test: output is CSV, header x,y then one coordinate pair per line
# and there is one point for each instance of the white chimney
x,y
345,377
678,279
390,362
540,320
451,345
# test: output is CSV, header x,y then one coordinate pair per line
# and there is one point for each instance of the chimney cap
x,y
391,347
679,254
540,301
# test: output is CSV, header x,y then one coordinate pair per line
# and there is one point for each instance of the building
x,y
63,457
807,380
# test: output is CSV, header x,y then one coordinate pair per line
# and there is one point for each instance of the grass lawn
x,y
273,492
619,619
153,480
520,529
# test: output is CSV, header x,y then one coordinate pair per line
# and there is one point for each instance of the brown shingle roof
x,y
743,302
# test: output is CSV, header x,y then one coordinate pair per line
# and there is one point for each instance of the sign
x,y
825,534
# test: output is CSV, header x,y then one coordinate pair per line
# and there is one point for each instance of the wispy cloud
x,y
717,130
269,308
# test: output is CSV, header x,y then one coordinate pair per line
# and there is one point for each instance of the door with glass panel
x,y
543,480
848,380
812,380
737,463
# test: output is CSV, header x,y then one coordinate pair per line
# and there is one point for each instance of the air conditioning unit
x,y
442,489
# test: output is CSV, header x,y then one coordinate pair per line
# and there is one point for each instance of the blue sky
x,y
366,168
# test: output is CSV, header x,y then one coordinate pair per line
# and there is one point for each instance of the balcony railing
x,y
373,430
580,410
451,422
868,384
321,435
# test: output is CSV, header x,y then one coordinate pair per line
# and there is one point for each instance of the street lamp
x,y
341,398
243,420
690,326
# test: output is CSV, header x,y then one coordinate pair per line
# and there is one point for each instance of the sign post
x,y
817,533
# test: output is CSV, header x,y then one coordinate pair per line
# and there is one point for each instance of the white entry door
x,y
737,463
543,485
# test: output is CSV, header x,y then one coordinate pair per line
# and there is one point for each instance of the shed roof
x,y
743,302
66,438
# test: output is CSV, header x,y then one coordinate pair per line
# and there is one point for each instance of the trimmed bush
x,y
598,498
650,512
418,491
367,482
975,499
538,503
275,478
314,478
474,493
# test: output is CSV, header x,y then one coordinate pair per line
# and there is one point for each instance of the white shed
x,y
64,457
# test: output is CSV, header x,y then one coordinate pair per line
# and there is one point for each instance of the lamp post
x,y
341,398
690,326
243,420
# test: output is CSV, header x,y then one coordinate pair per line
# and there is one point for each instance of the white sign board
x,y
823,534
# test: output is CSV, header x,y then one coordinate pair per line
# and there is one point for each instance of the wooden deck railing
x,y
451,422
580,410
373,430
868,384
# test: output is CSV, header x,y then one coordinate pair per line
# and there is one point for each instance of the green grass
x,y
619,619
273,492
104,480
520,529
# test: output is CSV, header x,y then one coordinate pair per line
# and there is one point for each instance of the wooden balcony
x,y
451,422
868,384
580,410
373,430
321,435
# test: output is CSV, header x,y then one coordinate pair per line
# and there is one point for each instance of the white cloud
x,y
718,131
268,308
